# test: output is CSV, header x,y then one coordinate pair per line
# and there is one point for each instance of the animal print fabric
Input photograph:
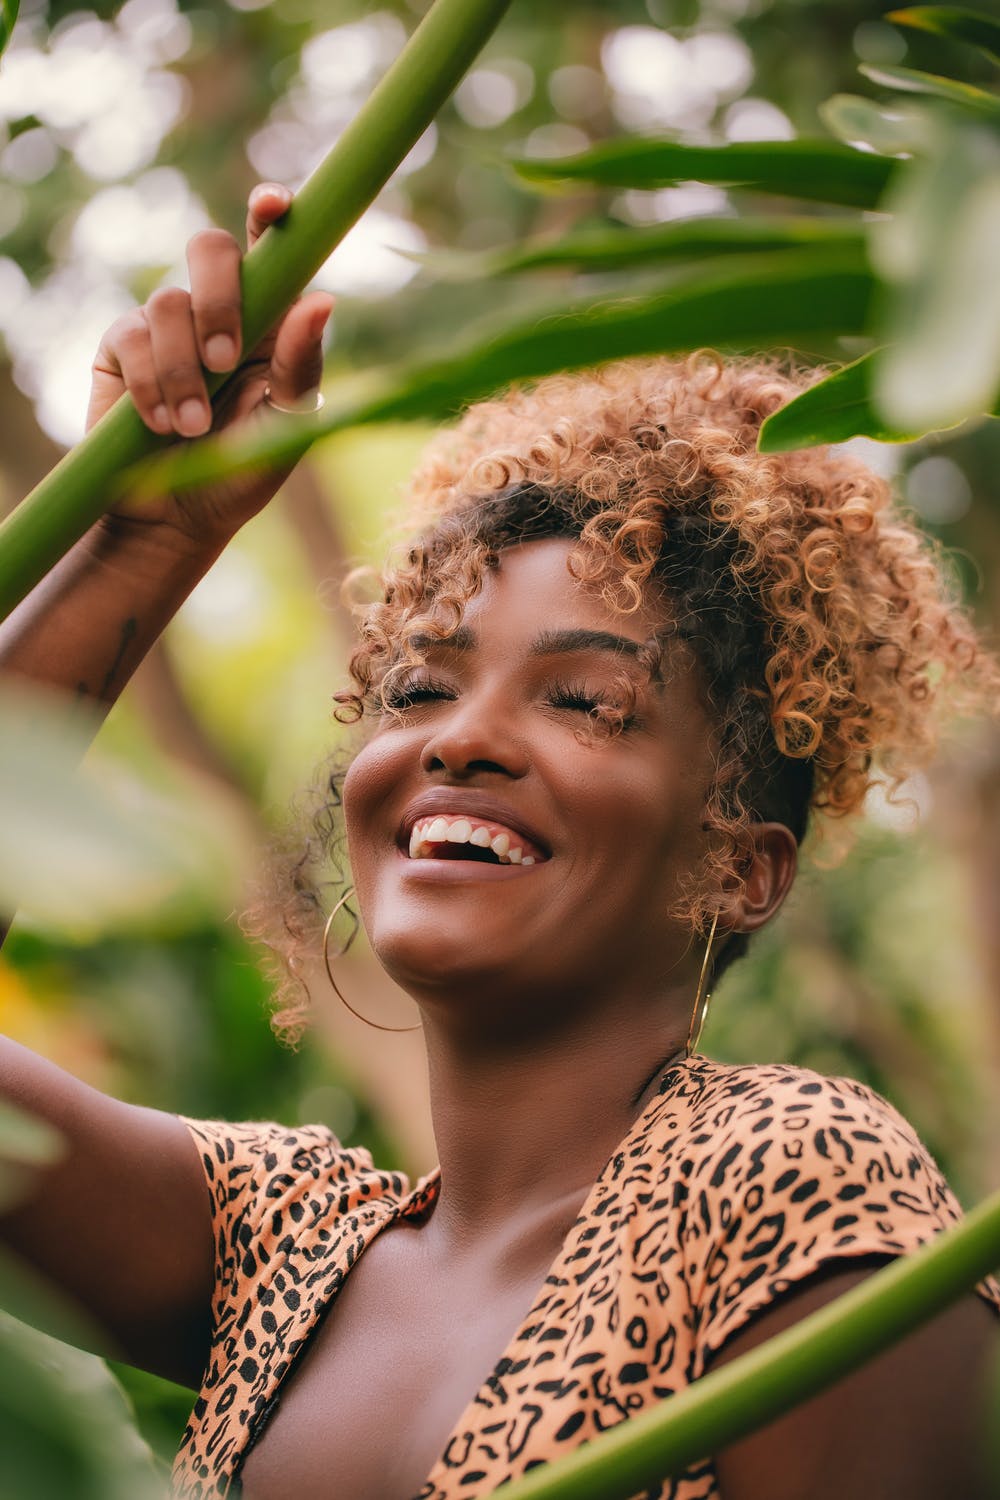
x,y
733,1184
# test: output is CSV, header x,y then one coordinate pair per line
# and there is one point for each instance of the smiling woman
x,y
622,662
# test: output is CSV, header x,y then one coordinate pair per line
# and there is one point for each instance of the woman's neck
x,y
520,1127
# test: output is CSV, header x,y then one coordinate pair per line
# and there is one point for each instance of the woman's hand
x,y
157,354
86,627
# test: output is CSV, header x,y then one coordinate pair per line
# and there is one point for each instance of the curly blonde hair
x,y
824,628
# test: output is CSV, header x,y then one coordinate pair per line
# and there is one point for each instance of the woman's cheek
x,y
371,810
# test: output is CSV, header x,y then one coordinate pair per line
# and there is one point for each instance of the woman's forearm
x,y
86,627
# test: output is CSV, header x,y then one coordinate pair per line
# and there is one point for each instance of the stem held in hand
x,y
84,484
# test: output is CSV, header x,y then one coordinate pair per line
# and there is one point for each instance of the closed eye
x,y
599,704
411,692
566,695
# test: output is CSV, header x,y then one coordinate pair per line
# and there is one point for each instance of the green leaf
x,y
912,81
281,264
954,22
88,849
823,171
766,302
831,411
727,1403
66,1429
892,132
8,15
937,252
613,247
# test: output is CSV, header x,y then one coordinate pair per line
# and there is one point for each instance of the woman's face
x,y
486,759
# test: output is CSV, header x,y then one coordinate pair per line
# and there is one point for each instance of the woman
x,y
606,687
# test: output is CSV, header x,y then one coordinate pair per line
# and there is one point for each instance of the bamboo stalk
x,y
83,484
739,1398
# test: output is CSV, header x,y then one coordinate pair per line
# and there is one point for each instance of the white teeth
x,y
439,830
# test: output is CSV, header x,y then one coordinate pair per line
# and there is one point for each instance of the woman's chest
x,y
386,1377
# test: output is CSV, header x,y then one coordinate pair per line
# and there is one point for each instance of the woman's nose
x,y
475,736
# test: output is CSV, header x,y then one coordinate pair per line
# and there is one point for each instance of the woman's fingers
x,y
213,258
268,202
177,361
297,357
124,361
159,353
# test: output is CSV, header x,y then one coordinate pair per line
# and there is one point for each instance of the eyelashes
x,y
411,692
598,704
574,696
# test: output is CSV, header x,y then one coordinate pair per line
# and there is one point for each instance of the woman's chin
x,y
436,963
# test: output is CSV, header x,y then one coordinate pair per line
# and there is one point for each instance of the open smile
x,y
471,839
451,836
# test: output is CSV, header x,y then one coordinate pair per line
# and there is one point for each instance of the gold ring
x,y
305,406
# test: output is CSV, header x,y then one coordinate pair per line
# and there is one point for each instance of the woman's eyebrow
x,y
462,639
549,643
555,642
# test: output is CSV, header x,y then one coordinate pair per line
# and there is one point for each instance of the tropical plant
x,y
81,488
909,271
895,248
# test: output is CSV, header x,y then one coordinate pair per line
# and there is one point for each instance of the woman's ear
x,y
769,875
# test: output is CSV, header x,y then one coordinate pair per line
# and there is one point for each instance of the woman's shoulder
x,y
720,1102
780,1171
253,1166
806,1140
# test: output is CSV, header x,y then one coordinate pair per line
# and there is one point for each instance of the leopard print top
x,y
734,1183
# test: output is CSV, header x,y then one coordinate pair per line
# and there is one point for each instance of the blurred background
x,y
123,129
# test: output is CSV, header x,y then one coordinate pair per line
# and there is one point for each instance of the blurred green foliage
x,y
884,968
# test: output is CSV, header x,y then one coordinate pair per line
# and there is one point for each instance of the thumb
x,y
297,356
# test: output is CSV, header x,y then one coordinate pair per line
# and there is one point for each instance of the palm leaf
x,y
831,411
936,253
913,81
954,22
821,171
614,247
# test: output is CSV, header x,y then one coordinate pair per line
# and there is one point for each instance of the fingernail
x,y
161,418
268,189
193,418
220,352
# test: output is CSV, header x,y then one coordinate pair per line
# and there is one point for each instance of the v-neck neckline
x,y
566,1250
415,1204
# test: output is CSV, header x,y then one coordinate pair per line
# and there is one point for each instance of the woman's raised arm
x,y
122,1223
88,624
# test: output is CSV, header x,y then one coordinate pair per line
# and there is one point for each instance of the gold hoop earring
x,y
698,1020
375,1025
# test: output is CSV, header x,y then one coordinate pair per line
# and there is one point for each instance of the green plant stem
x,y
84,484
741,1397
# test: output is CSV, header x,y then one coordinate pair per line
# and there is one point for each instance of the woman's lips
x,y
460,871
